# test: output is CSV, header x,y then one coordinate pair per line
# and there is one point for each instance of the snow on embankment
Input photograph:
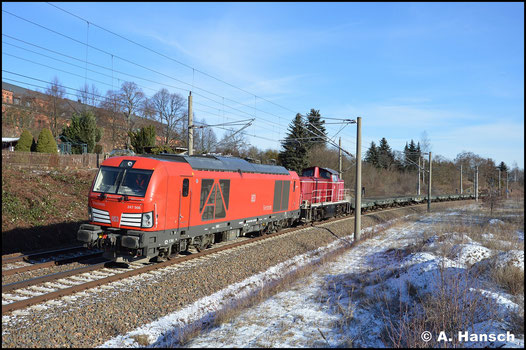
x,y
384,292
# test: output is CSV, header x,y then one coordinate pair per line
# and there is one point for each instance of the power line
x,y
170,58
110,76
103,99
139,65
143,67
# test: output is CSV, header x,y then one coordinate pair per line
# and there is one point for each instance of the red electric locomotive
x,y
142,207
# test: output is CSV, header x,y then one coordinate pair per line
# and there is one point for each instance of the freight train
x,y
152,206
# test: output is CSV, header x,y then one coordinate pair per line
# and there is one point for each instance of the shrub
x,y
25,141
46,143
98,149
162,149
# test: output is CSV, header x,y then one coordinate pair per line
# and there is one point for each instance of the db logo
x,y
253,198
115,218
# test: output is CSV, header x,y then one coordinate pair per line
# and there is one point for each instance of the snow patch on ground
x,y
471,253
341,304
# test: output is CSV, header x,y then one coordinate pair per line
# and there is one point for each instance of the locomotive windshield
x,y
125,181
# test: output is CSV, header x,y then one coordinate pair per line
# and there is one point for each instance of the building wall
x,y
7,96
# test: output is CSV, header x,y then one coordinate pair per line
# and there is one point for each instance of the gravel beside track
x,y
90,318
40,272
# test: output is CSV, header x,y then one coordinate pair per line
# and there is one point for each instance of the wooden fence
x,y
46,161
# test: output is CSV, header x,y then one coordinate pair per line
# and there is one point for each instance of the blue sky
x,y
453,70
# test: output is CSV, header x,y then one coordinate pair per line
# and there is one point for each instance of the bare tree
x,y
131,101
204,137
233,143
54,105
89,95
425,143
169,109
492,199
112,108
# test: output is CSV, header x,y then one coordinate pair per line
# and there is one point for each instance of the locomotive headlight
x,y
90,214
147,220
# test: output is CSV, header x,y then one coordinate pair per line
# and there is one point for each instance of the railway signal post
x,y
190,126
340,158
429,187
461,179
358,189
477,183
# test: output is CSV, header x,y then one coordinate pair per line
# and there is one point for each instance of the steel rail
x,y
46,264
21,256
119,276
51,277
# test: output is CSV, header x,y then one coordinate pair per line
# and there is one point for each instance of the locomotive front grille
x,y
100,216
129,219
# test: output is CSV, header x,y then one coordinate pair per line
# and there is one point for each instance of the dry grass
x,y
141,339
510,278
227,314
452,307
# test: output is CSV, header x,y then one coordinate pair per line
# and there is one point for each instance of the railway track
x,y
34,291
12,258
35,261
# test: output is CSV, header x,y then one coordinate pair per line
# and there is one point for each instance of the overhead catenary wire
x,y
38,63
146,79
172,59
188,66
103,97
141,66
100,72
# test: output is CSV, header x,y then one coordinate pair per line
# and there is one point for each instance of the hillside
x,y
42,209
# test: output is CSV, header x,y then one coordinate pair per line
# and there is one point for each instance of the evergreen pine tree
x,y
371,156
25,141
316,130
46,142
294,154
407,163
385,154
83,129
144,137
411,154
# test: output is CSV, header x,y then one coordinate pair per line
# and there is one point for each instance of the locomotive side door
x,y
185,199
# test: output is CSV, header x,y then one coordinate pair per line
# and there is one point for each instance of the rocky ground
x,y
90,318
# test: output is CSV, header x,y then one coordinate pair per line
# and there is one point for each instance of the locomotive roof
x,y
221,163
334,172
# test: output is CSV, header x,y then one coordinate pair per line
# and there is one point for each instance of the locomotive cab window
x,y
186,185
325,174
308,172
125,181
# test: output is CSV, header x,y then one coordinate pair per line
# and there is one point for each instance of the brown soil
x,y
42,209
